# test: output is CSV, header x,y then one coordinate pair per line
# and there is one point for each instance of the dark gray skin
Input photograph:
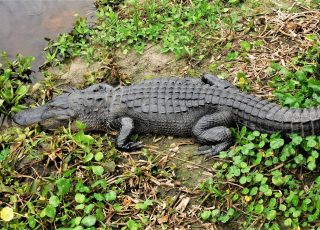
x,y
204,108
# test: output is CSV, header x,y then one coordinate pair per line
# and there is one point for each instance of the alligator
x,y
205,108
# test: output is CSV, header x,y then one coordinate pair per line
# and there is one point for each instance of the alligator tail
x,y
265,116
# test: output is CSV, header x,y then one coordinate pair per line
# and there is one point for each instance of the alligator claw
x,y
131,146
207,150
211,150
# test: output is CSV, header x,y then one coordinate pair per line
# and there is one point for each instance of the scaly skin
x,y
203,108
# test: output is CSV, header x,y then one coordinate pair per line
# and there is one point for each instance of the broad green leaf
x,y
88,157
276,143
89,220
205,215
32,222
271,214
132,225
98,156
80,198
97,170
110,196
88,208
54,201
259,208
245,45
282,207
98,196
296,139
117,207
314,84
63,185
287,222
22,90
258,177
50,211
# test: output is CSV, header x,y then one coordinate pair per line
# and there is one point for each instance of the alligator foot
x,y
131,146
212,150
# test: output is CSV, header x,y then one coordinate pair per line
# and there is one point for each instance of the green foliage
x,y
14,83
183,29
187,30
262,180
133,225
299,87
76,43
144,206
4,154
80,191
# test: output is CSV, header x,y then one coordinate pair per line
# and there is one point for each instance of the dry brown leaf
x,y
183,204
163,219
127,201
163,161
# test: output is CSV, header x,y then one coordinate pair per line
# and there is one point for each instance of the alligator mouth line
x,y
30,116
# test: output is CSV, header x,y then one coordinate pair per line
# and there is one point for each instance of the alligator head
x,y
85,105
56,113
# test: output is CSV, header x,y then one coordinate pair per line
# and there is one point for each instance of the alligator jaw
x,y
45,115
30,116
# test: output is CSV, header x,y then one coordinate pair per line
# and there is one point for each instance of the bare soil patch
x,y
151,63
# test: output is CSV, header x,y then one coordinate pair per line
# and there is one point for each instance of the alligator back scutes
x,y
165,96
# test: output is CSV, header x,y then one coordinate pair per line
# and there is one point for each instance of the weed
x,y
300,87
76,43
14,83
187,30
76,187
262,179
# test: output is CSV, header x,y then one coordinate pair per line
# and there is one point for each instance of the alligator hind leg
x,y
212,133
219,83
214,140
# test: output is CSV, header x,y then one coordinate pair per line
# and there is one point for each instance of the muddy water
x,y
25,23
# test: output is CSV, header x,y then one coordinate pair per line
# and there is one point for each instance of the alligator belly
x,y
179,124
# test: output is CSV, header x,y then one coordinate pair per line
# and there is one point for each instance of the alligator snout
x,y
30,116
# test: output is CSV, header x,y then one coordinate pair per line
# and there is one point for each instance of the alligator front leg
x,y
126,126
212,133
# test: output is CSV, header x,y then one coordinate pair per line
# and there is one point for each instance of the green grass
x,y
66,179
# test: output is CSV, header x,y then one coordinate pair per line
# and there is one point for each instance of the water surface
x,y
25,23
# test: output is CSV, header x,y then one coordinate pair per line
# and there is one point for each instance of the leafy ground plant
x,y
273,183
74,180
187,30
14,83
299,87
